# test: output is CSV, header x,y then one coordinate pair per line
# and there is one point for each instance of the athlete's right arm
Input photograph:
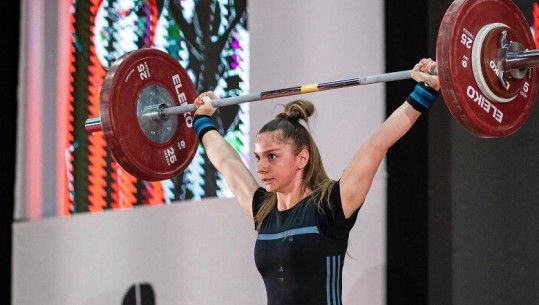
x,y
226,160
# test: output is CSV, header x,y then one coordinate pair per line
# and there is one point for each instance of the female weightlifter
x,y
303,218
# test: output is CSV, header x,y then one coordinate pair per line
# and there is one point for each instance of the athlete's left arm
x,y
358,176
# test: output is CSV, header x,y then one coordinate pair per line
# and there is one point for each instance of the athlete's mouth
x,y
267,180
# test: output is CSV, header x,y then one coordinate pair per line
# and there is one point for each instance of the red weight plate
x,y
122,90
465,99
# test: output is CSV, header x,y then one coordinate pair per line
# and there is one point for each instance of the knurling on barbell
x,y
486,65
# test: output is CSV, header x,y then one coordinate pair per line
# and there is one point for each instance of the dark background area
x,y
8,127
407,206
463,212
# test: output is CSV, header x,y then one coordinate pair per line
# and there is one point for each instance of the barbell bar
x,y
94,124
486,66
303,89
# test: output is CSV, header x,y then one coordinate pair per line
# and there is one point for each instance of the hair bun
x,y
297,110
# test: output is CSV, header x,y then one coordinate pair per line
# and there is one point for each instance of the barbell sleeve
x,y
522,59
93,125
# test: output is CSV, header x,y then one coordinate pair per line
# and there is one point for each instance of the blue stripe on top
x,y
285,234
328,280
333,277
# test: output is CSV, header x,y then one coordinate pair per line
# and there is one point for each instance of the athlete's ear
x,y
303,158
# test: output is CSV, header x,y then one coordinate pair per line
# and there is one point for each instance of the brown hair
x,y
293,132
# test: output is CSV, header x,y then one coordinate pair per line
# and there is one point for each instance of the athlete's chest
x,y
293,239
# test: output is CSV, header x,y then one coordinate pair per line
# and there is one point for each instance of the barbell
x,y
486,67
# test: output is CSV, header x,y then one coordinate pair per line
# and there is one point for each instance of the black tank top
x,y
300,252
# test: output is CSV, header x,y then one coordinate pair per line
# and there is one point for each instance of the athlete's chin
x,y
270,186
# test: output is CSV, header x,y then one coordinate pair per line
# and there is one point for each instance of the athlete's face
x,y
277,164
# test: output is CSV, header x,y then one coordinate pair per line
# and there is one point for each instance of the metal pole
x,y
317,87
94,124
522,59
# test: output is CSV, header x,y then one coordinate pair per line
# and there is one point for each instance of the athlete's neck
x,y
286,201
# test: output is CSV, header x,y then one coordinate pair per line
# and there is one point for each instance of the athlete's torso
x,y
300,252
